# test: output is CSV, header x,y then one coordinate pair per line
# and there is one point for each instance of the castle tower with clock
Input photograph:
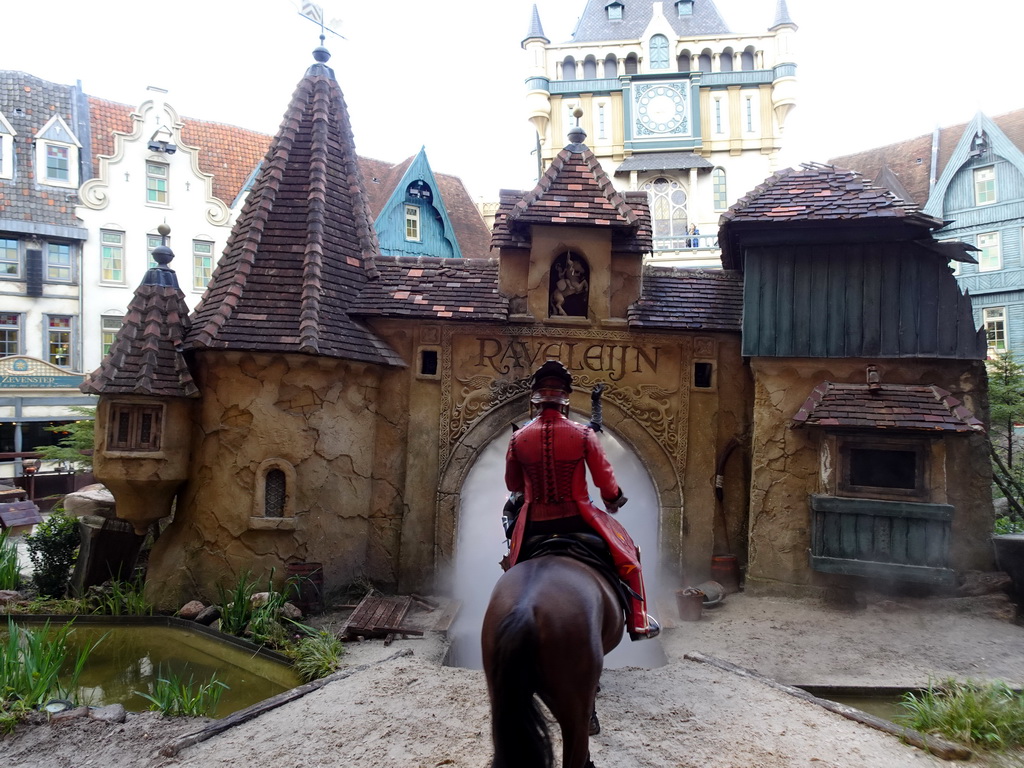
x,y
674,103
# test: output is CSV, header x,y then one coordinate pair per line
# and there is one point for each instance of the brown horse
x,y
548,626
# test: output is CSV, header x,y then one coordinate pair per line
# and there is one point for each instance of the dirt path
x,y
410,710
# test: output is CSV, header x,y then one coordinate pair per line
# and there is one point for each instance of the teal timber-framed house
x,y
972,177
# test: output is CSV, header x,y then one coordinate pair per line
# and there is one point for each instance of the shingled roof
x,y
812,195
688,299
304,245
594,25
146,356
435,288
574,191
894,407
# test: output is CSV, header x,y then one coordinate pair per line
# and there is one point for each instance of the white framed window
x,y
111,256
10,334
58,263
667,200
720,116
58,340
56,154
202,263
994,321
601,129
990,258
7,134
412,223
10,259
719,189
985,185
156,183
109,326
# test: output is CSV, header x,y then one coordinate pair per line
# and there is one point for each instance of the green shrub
x,y
986,715
52,549
1007,524
236,605
318,655
76,445
119,598
172,695
10,569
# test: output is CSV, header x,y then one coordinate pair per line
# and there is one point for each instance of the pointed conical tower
x,y
286,451
147,395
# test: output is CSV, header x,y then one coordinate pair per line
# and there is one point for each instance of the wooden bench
x,y
19,514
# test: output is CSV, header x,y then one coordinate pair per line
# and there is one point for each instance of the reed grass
x,y
317,655
10,568
120,598
173,695
987,715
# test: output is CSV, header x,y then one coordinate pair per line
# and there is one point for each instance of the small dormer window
x,y
685,7
56,155
419,190
614,11
134,427
7,134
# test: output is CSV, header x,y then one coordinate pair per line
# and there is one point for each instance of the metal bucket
x,y
714,593
690,602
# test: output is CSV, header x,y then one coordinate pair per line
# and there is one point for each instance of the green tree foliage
x,y
1006,409
76,446
52,548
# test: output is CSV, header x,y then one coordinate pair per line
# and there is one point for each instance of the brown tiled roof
x,y
145,358
574,191
451,289
688,299
893,407
227,152
910,160
303,247
814,194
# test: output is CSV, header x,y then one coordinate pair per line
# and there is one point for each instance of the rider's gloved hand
x,y
613,505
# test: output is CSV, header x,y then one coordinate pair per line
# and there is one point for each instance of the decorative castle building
x,y
808,409
675,104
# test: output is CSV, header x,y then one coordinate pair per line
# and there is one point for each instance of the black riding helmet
x,y
551,383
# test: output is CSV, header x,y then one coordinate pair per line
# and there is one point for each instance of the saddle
x,y
589,549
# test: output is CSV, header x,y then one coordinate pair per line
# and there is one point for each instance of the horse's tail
x,y
521,737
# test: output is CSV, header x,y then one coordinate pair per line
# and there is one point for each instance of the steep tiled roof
x,y
910,160
451,289
536,31
893,407
28,103
782,17
145,358
573,191
688,299
594,24
663,161
227,152
303,247
813,194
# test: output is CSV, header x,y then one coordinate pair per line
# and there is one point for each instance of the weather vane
x,y
315,13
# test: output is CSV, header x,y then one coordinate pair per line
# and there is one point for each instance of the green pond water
x,y
132,657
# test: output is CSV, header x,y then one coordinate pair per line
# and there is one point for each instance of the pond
x,y
138,650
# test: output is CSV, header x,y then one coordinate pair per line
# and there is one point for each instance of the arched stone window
x,y
659,52
668,213
611,66
274,496
630,64
721,195
704,61
725,61
747,59
683,61
569,289
590,68
569,68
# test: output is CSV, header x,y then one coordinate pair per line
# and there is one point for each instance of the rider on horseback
x,y
545,462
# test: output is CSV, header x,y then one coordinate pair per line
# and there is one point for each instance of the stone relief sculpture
x,y
569,287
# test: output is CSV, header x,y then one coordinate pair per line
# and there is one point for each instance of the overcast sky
x,y
870,72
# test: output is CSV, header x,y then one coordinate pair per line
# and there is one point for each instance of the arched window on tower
x,y
274,497
611,66
704,61
747,59
590,68
718,189
668,213
725,61
569,68
683,61
659,52
630,64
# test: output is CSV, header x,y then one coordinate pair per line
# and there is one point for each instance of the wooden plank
x,y
948,310
889,311
784,300
803,320
847,536
928,305
871,339
818,304
881,533
769,290
865,537
836,312
19,513
919,574
856,506
855,309
751,337
899,540
909,299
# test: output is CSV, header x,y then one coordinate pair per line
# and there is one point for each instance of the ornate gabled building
x,y
676,104
347,404
971,176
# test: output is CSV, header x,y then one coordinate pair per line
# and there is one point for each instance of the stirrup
x,y
653,630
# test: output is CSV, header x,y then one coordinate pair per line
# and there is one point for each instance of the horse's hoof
x,y
595,725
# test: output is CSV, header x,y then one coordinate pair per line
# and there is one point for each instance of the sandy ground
x,y
398,705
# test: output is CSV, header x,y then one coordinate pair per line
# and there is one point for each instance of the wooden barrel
x,y
726,571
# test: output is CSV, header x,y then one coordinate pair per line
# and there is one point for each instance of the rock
x,y
292,612
112,713
8,596
69,714
208,615
976,583
191,610
91,500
